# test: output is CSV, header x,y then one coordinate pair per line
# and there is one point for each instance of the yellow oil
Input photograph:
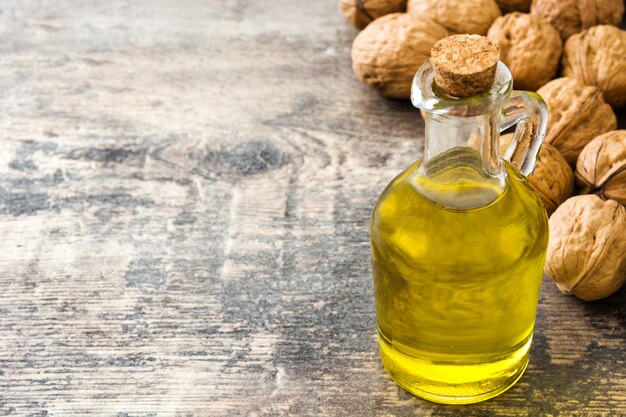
x,y
457,288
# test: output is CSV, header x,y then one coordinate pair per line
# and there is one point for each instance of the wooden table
x,y
184,203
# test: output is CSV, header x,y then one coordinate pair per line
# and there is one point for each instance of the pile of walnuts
x,y
536,39
539,41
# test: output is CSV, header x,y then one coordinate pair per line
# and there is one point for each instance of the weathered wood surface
x,y
185,191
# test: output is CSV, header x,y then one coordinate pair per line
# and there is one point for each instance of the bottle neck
x,y
461,167
481,133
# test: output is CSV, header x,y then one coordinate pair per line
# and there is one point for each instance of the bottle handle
x,y
529,112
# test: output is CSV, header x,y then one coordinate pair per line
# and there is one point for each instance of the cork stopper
x,y
465,65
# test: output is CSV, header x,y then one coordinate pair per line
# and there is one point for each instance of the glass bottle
x,y
458,246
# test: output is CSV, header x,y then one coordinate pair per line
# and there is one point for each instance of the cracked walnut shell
x,y
587,249
458,16
514,5
529,46
552,179
362,12
598,57
578,114
601,167
572,16
388,52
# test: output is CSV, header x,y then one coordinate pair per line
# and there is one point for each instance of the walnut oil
x,y
457,289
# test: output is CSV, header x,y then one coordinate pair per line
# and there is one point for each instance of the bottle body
x,y
457,289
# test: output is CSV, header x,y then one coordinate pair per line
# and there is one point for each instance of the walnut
x,y
514,5
362,12
458,16
529,46
577,115
598,57
601,167
572,16
388,52
552,180
587,249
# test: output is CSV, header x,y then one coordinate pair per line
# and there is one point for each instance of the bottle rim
x,y
426,96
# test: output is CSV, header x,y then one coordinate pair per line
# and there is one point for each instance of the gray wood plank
x,y
185,191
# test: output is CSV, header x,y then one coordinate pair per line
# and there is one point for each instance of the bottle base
x,y
453,381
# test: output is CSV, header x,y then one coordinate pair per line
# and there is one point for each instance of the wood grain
x,y
185,191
